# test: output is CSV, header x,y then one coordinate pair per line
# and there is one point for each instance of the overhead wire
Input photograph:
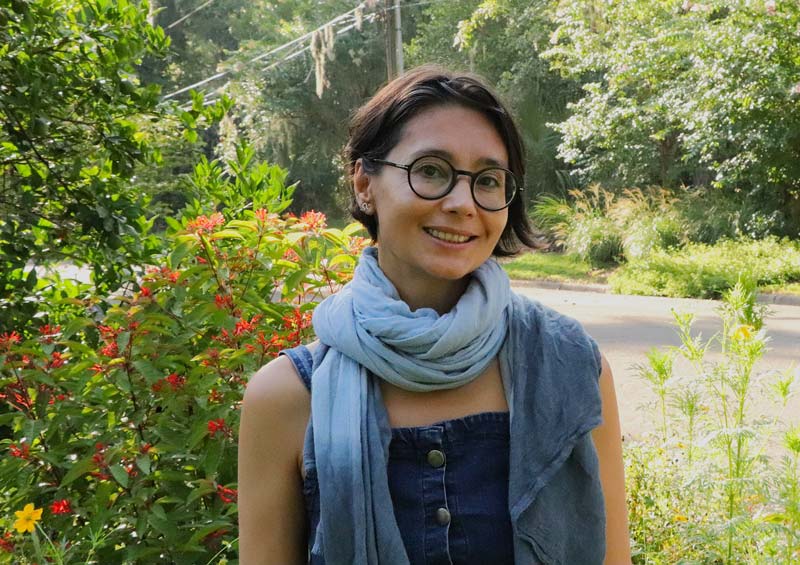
x,y
189,15
350,13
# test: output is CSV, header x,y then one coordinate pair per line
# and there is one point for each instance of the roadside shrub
x,y
606,229
707,271
706,487
123,421
583,226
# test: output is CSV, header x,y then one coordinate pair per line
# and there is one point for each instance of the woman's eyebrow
x,y
487,161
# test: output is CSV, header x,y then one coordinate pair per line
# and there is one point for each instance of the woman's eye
x,y
430,171
488,181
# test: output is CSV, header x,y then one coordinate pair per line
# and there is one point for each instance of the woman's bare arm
x,y
271,508
608,442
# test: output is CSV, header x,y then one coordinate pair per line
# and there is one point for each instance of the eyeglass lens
x,y
432,177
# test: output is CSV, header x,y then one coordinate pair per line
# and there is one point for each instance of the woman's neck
x,y
442,296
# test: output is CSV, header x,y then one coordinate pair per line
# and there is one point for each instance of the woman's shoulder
x,y
277,389
530,311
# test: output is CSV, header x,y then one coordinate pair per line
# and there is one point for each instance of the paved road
x,y
626,327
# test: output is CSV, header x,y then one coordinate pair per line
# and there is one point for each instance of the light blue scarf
x,y
367,327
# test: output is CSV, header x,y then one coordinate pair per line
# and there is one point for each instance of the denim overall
x,y
449,481
449,486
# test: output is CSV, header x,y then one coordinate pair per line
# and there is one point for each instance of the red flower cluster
x,y
162,273
56,360
205,224
48,332
145,292
223,301
8,339
22,451
244,326
173,380
61,507
227,495
100,462
313,221
110,350
6,544
218,426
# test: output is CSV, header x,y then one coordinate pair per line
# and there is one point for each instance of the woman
x,y
449,420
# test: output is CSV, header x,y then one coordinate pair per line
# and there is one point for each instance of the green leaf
x,y
120,475
77,470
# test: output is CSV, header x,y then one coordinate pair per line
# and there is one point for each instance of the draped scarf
x,y
367,329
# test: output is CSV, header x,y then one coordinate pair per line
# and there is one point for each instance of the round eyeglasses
x,y
432,177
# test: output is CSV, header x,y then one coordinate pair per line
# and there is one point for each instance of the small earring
x,y
365,207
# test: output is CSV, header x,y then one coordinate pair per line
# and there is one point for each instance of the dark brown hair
x,y
378,125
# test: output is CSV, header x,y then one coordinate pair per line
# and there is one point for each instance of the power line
x,y
267,54
190,14
291,43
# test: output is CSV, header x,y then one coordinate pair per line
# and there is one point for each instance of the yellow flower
x,y
743,333
680,518
27,518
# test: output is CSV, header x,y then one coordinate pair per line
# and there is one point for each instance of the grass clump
x,y
707,271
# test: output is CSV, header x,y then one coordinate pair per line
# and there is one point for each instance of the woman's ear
x,y
362,186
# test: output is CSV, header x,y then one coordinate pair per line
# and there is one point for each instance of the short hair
x,y
377,127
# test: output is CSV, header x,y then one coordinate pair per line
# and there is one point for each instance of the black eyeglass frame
x,y
456,173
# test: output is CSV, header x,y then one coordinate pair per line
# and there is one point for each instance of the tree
x,y
75,118
687,93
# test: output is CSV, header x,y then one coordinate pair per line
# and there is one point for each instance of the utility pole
x,y
394,39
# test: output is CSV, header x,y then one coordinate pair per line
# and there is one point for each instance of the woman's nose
x,y
459,199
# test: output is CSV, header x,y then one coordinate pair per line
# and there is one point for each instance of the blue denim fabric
x,y
550,367
471,483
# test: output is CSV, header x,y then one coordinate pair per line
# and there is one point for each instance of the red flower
x,y
145,449
312,220
48,332
145,292
8,339
206,224
223,301
176,381
61,507
6,544
217,426
110,350
98,369
262,215
56,360
22,452
214,396
227,495
244,326
108,333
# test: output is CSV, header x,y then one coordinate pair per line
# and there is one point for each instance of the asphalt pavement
x,y
627,327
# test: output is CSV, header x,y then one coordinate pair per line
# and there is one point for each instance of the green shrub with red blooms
x,y
123,419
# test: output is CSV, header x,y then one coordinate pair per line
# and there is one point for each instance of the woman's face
x,y
433,241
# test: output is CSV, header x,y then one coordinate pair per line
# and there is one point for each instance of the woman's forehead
x,y
453,132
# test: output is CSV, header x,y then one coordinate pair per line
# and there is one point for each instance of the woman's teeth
x,y
451,237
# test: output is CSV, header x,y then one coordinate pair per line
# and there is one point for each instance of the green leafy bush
x,y
707,271
704,490
604,228
123,421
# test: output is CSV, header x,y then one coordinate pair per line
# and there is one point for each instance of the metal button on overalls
x,y
435,458
443,516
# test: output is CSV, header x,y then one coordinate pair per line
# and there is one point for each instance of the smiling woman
x,y
449,420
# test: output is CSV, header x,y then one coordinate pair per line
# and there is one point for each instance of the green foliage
x,y
123,422
72,111
500,39
686,93
707,271
704,491
551,266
